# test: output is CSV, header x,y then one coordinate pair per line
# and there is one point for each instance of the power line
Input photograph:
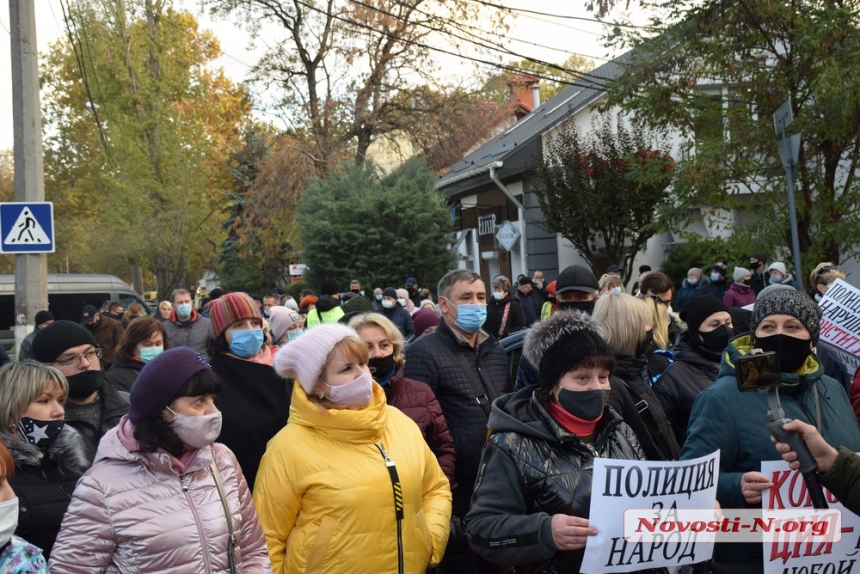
x,y
566,16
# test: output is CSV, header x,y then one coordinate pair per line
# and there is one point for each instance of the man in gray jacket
x,y
186,327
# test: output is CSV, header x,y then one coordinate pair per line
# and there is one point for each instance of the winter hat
x,y
758,255
328,287
307,301
696,311
357,304
231,308
424,319
291,304
304,358
160,380
695,271
550,289
787,301
43,316
719,269
411,281
525,281
390,292
403,294
216,293
576,278
87,314
779,266
281,319
57,338
557,345
739,273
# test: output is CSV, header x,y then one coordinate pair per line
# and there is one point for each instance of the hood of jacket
x,y
808,374
68,451
685,352
699,284
360,426
628,367
740,288
327,303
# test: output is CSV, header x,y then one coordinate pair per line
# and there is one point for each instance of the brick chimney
x,y
524,94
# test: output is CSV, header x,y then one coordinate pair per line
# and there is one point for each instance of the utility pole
x,y
789,150
31,287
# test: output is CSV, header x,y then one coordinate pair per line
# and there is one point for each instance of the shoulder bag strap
x,y
504,319
477,388
231,540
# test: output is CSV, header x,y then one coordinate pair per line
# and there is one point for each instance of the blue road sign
x,y
27,227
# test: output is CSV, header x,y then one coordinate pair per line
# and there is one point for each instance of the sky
x,y
543,37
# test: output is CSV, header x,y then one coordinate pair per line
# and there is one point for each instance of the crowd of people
x,y
384,431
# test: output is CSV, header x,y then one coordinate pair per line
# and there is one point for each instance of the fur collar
x,y
69,451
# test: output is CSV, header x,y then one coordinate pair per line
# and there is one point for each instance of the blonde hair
x,y
502,282
821,277
353,349
659,320
607,282
392,333
625,319
21,383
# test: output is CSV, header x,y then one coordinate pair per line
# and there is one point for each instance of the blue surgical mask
x,y
616,290
183,309
293,335
470,317
379,297
149,353
775,279
402,302
692,282
715,277
246,344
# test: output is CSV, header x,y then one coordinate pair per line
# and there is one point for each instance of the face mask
x,y
644,343
792,352
183,309
498,295
715,277
196,432
717,340
402,302
84,384
40,433
266,313
585,405
355,394
293,335
775,279
8,520
387,303
616,290
381,367
692,282
149,353
379,297
470,317
246,344
745,282
586,307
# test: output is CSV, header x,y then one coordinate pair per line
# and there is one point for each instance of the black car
x,y
513,346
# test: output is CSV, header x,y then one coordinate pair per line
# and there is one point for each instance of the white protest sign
x,y
622,485
795,553
840,324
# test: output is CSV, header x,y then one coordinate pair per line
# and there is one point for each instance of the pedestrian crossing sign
x,y
27,227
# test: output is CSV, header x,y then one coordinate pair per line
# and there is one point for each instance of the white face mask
x,y
8,520
387,303
196,432
402,302
498,295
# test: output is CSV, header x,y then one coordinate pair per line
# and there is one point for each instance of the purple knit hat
x,y
305,357
160,380
229,309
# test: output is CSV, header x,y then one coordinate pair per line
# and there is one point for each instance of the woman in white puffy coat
x,y
151,502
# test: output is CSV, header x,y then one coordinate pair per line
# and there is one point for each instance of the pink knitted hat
x,y
281,319
304,358
230,308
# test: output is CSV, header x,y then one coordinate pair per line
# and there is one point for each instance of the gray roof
x,y
523,137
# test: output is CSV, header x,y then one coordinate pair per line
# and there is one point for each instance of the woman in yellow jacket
x,y
349,485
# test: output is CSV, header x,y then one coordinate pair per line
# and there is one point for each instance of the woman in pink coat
x,y
156,498
740,293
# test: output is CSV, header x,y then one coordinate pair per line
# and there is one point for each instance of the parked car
x,y
513,346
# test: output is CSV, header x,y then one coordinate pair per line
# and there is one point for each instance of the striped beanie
x,y
231,308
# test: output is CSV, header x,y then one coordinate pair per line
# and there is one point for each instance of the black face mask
x,y
792,352
40,433
586,307
356,291
381,367
644,343
585,405
84,384
746,282
716,341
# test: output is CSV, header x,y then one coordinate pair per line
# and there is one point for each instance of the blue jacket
x,y
732,422
689,292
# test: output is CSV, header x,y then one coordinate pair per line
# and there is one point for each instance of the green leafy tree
x,y
553,78
600,190
718,75
355,224
705,252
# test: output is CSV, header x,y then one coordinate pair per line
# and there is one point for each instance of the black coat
x,y
718,290
527,303
254,404
681,383
44,484
123,373
496,310
531,469
433,359
401,319
631,395
114,406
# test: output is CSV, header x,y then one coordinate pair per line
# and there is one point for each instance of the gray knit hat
x,y
787,302
739,273
560,343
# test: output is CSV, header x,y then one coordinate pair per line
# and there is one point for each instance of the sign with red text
x,y
797,551
662,488
840,323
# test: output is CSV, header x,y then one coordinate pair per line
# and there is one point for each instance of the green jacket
x,y
732,422
330,316
843,479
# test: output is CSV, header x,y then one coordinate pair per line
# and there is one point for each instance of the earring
x,y
321,396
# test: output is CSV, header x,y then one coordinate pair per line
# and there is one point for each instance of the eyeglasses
x,y
90,356
824,270
660,301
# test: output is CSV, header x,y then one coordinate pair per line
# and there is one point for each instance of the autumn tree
x,y
600,190
553,78
7,192
717,76
140,132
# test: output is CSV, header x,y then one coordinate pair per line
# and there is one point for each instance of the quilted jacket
x,y
433,359
137,512
326,498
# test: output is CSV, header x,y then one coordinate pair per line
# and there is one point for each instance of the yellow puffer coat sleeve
x,y
278,498
436,505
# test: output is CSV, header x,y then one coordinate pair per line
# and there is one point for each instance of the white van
x,y
67,296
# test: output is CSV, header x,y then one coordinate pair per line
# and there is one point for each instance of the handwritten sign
x,y
793,553
840,324
621,485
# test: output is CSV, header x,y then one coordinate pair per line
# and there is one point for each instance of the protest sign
x,y
621,485
792,553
